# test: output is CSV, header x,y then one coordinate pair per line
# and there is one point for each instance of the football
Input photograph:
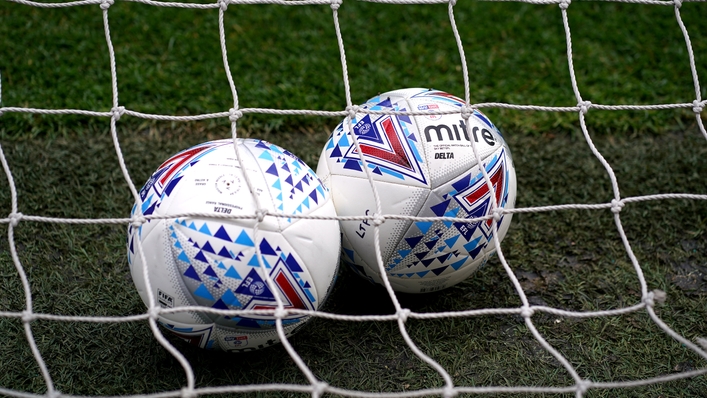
x,y
211,260
422,166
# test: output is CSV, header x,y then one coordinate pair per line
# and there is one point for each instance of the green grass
x,y
169,62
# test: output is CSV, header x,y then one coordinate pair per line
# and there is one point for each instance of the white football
x,y
422,166
212,262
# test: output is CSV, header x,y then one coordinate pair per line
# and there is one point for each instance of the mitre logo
x,y
457,132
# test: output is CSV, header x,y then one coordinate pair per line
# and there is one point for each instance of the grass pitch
x,y
571,259
286,57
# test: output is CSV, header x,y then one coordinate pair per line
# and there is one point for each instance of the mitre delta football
x,y
424,166
212,262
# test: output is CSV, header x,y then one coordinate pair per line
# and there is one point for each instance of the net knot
x,y
449,392
187,393
378,219
138,221
260,215
105,4
319,388
335,4
403,314
28,316
584,106
697,106
583,386
223,4
117,112
15,218
526,312
678,3
234,114
154,312
280,313
453,2
564,4
656,295
53,394
466,112
497,214
352,110
616,206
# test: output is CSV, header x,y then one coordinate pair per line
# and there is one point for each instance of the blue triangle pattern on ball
x,y
230,299
183,256
424,226
292,264
413,241
224,252
438,271
451,241
462,183
476,251
262,144
352,165
220,305
266,249
207,248
232,273
203,292
440,208
191,273
200,256
427,262
457,264
210,272
469,247
253,262
244,239
313,195
272,170
222,234
205,230
266,155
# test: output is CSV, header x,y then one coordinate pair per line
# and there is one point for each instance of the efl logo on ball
x,y
422,166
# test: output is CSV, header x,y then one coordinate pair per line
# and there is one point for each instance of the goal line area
x,y
544,329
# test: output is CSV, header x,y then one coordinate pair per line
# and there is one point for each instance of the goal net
x,y
527,313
